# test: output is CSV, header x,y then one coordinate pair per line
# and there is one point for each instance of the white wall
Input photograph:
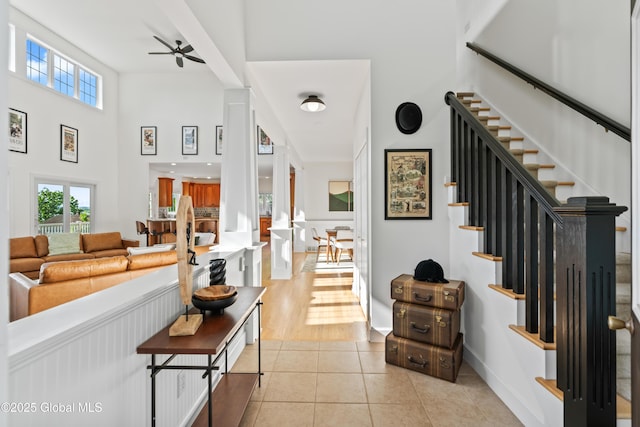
x,y
580,47
168,101
46,111
411,45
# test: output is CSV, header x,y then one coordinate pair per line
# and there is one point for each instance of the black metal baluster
x,y
531,264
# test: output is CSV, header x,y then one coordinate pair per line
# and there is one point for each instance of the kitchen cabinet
x,y
265,224
165,192
202,195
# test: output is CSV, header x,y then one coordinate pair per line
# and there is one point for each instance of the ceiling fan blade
x,y
164,43
193,58
188,48
160,53
179,61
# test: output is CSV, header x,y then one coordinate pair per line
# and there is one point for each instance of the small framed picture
x,y
17,131
265,144
148,140
219,140
68,144
189,140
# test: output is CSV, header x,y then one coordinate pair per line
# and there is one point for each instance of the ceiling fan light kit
x,y
179,52
312,104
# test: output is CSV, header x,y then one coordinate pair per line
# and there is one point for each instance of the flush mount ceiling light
x,y
312,104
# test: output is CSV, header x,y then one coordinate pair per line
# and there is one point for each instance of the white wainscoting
x,y
76,364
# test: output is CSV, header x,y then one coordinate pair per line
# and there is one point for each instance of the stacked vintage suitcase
x,y
426,327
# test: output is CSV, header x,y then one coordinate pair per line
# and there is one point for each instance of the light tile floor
x,y
349,384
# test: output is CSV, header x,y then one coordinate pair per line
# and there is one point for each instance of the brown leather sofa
x,y
64,281
27,254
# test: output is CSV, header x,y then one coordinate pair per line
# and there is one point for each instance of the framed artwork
x,y
68,144
265,144
219,140
17,131
407,185
148,140
340,196
189,140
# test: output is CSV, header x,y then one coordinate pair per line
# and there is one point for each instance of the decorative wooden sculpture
x,y
187,324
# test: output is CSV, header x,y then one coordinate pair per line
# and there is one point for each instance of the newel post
x,y
586,293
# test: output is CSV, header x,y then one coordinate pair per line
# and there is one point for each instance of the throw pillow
x,y
147,250
64,243
205,239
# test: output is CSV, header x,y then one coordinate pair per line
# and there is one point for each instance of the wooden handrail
x,y
605,121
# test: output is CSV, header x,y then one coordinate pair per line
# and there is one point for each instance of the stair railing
x,y
514,209
605,121
524,225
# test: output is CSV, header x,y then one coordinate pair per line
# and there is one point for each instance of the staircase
x,y
475,266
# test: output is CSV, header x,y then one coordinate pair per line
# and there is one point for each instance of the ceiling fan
x,y
179,52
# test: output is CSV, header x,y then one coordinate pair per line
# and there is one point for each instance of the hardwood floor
x,y
310,306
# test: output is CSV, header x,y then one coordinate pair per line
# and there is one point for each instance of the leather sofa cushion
x,y
67,257
42,245
25,264
101,241
69,270
138,262
22,247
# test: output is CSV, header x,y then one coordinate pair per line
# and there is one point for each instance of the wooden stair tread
x,y
480,109
459,204
621,228
531,151
547,166
534,338
471,227
489,257
567,183
464,94
450,184
507,292
623,406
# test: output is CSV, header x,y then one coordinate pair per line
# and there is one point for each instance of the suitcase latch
x,y
393,349
444,363
448,297
398,290
440,323
401,312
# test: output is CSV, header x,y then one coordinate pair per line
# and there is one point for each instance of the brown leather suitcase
x,y
443,295
428,359
426,324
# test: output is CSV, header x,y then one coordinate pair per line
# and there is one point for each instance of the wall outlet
x,y
182,383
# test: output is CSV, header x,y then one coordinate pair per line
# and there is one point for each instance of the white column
x,y
281,231
299,220
239,223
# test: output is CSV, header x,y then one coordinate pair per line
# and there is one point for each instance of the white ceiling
x,y
120,33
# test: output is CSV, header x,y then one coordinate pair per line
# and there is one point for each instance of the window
x,y
37,68
63,207
63,75
88,87
50,68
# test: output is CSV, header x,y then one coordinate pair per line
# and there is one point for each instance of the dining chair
x,y
343,241
322,242
142,229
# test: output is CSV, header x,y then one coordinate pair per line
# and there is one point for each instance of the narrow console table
x,y
226,404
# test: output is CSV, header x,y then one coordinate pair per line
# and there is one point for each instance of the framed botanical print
x,y
189,140
265,144
407,184
219,140
17,131
148,140
68,144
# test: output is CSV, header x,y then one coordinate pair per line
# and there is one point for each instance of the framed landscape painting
x,y
148,135
68,144
189,140
340,196
17,131
407,184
